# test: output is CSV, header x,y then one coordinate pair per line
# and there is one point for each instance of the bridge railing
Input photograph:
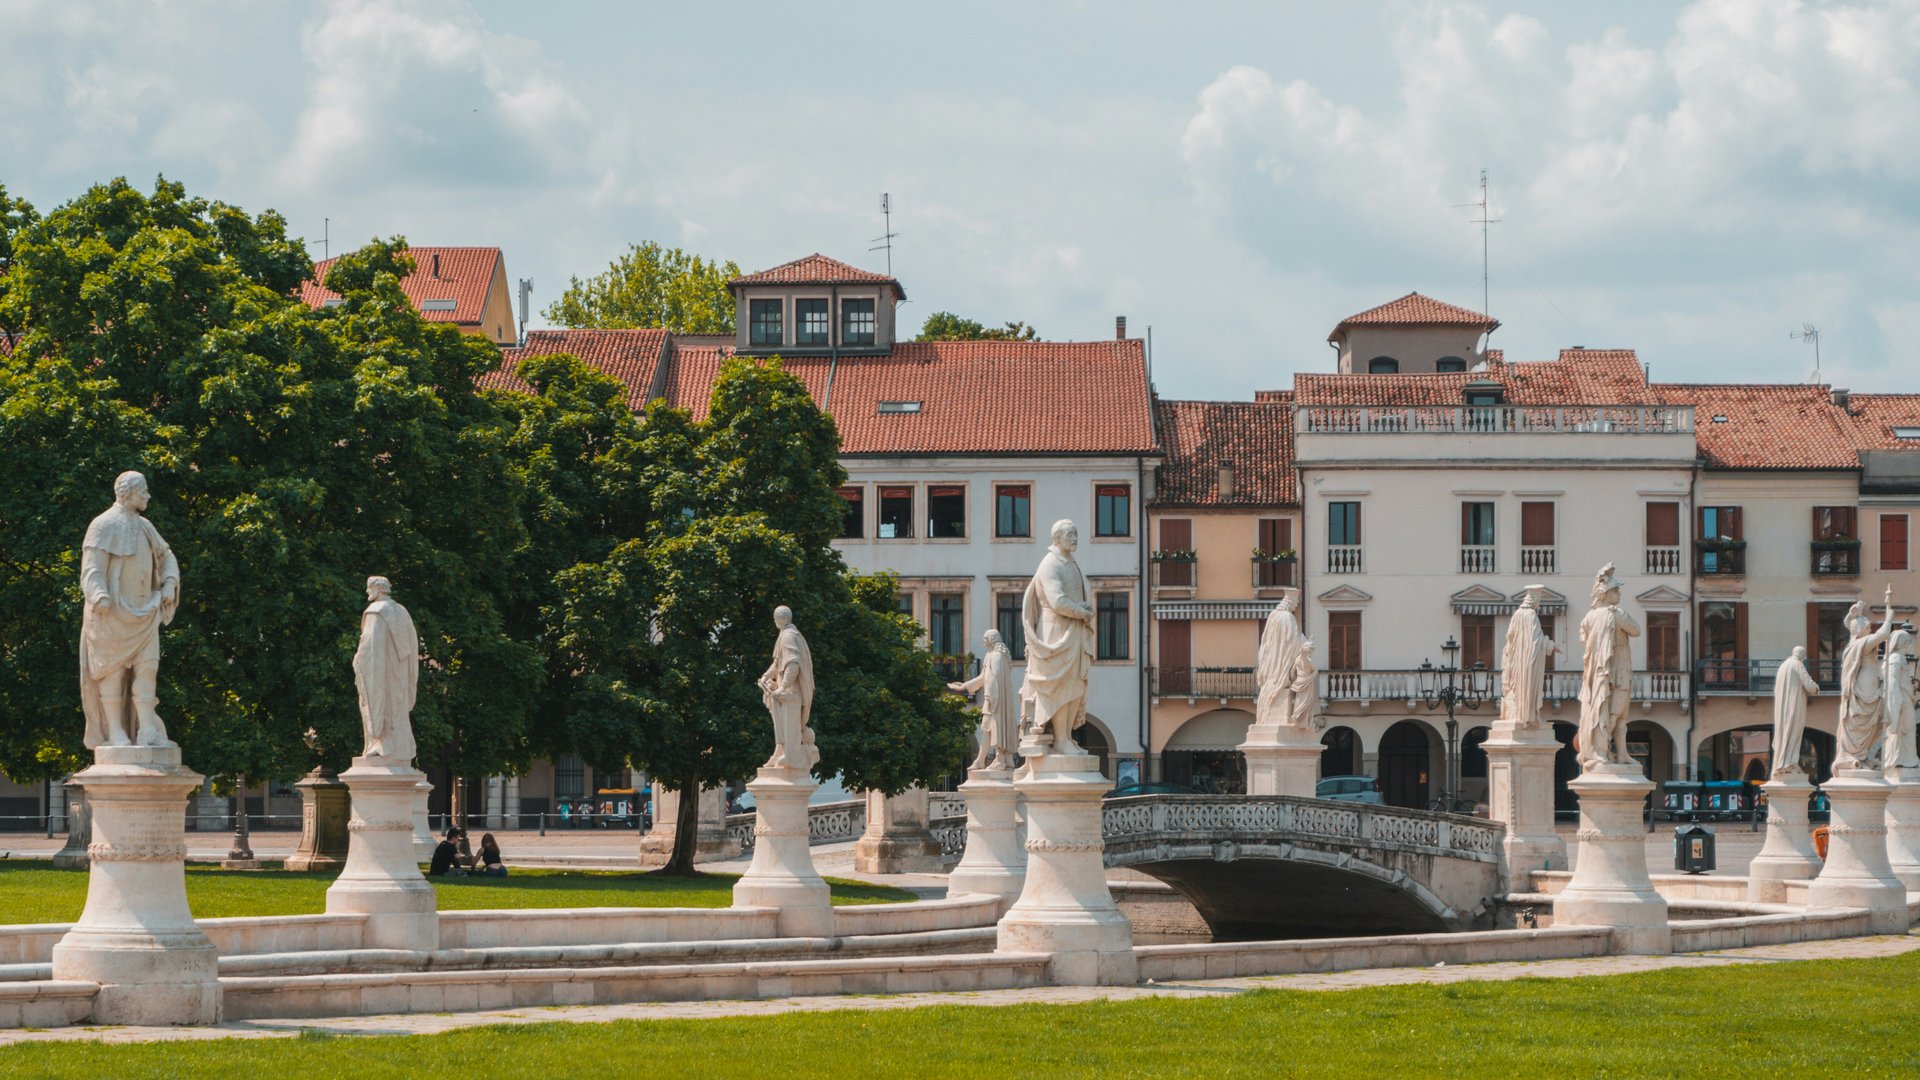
x,y
1237,817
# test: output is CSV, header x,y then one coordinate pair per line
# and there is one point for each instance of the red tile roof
x,y
817,269
631,356
466,273
1767,426
1578,377
1198,436
1414,309
1876,415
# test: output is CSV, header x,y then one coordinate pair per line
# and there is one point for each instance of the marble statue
x,y
1606,676
131,585
1057,614
787,688
1791,685
998,717
1523,663
1898,674
1284,670
1862,719
386,671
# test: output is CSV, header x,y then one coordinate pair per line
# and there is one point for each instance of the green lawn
x,y
1820,1018
35,892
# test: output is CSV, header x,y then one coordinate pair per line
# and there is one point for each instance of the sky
x,y
1694,181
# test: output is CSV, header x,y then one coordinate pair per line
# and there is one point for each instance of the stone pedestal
x,y
73,855
1610,885
423,839
994,861
1064,907
1282,761
1788,853
710,843
1903,826
781,875
136,937
382,878
897,840
323,823
1520,796
1858,873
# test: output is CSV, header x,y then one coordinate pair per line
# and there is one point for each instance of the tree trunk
x,y
686,830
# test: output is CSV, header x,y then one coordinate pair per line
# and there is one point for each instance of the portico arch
x,y
1094,738
1342,754
1203,753
1407,770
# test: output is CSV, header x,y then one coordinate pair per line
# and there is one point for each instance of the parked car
x,y
1151,787
1349,789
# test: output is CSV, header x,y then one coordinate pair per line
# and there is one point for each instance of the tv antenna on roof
x,y
884,242
1810,332
1484,220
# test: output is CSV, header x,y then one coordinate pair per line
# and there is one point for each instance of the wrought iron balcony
x,y
1274,574
1204,682
1756,677
1176,575
1836,558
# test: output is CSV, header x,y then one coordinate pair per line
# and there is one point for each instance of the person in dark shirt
x,y
446,857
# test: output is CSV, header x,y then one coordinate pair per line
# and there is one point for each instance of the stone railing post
x,y
896,839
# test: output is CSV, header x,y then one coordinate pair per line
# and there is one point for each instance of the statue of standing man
x,y
997,716
1899,665
1791,685
1523,663
1057,614
1284,669
1862,710
787,689
131,584
1606,676
386,671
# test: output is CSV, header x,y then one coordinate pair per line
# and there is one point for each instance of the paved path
x,y
412,1024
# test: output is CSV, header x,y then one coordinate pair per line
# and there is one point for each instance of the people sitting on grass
x,y
446,856
489,863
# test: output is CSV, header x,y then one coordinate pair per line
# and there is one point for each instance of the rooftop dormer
x,y
1412,335
815,306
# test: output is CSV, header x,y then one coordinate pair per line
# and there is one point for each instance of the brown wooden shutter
x,y
1343,640
1476,641
1536,524
1284,534
1176,534
1466,523
1663,524
1734,525
1176,656
1893,542
1814,652
1663,641
1269,540
1740,629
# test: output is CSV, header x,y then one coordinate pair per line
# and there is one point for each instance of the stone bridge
x,y
1270,866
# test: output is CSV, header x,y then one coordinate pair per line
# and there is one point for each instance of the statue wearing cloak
x,y
1057,615
386,672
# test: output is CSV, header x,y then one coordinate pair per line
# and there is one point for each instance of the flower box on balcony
x,y
1836,545
1719,543
1284,556
1175,555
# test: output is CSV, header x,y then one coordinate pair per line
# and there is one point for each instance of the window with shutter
x,y
1663,641
1663,524
1343,641
1893,542
1536,524
1476,642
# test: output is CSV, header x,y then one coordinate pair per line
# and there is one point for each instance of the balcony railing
x,y
1665,559
1538,560
1268,574
1171,574
1836,560
1756,677
1728,561
1343,559
1559,686
1493,419
1204,682
1477,558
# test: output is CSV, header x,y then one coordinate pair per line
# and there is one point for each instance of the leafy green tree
x,y
946,326
652,286
291,454
741,515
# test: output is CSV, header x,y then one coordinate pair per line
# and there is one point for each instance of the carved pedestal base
x,y
382,879
73,855
423,839
1610,885
1520,795
1282,761
1903,826
1858,874
323,823
994,861
897,840
1064,908
781,875
136,937
1788,853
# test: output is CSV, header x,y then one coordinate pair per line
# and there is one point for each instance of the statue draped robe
x,y
1284,669
1862,714
123,559
1791,685
787,689
1606,685
1523,669
998,718
386,671
1058,619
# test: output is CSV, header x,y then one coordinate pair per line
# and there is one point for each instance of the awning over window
x,y
1213,609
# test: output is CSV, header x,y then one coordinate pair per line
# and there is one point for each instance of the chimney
x,y
1226,479
436,266
1839,396
1119,328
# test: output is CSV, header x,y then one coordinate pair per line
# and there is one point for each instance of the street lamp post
x,y
1449,686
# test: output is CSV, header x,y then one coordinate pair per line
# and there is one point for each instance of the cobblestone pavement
x,y
408,1024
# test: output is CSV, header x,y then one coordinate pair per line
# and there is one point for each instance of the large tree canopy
x,y
651,286
946,326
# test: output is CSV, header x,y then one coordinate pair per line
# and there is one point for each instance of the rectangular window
x,y
903,604
811,323
1720,523
1835,523
1343,641
1171,567
1343,524
763,318
569,777
856,322
1893,542
854,525
896,513
1720,548
1275,541
1476,523
1012,510
1175,658
1663,641
1536,524
1827,637
947,624
1476,642
946,511
1663,524
1546,627
1113,629
1836,540
1723,643
1112,510
1006,617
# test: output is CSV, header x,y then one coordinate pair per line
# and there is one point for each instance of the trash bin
x,y
1693,849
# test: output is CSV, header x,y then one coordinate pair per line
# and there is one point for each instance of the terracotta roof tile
x,y
1414,309
1578,377
1767,426
1257,437
817,269
466,273
1876,415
